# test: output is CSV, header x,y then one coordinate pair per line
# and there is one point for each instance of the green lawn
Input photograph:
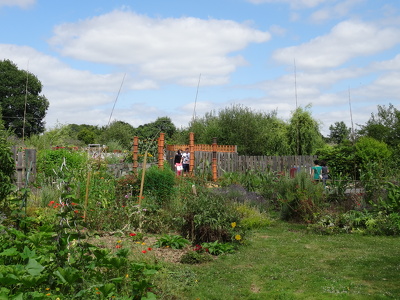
x,y
287,262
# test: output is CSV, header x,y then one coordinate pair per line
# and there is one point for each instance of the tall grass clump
x,y
299,197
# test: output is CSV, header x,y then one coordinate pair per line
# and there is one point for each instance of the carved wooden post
x,y
135,154
161,151
214,160
191,151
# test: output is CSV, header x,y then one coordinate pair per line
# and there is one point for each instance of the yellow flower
x,y
127,275
238,237
233,224
58,298
119,241
48,294
47,289
143,243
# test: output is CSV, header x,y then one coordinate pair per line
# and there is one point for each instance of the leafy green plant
x,y
160,184
217,248
7,168
205,216
252,218
173,241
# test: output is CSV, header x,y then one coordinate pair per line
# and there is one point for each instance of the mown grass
x,y
287,262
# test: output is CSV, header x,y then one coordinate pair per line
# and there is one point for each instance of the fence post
x,y
135,153
161,151
191,151
214,159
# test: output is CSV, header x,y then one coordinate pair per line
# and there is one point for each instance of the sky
x,y
136,60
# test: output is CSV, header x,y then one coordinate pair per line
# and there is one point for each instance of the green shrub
x,y
160,183
61,164
7,169
252,218
300,198
217,248
206,216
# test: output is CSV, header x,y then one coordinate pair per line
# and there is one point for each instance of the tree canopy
x,y
23,106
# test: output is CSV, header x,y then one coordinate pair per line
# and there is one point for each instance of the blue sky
x,y
261,54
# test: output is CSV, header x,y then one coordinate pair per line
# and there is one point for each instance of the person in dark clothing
x,y
178,162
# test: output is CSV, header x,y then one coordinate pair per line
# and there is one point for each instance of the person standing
x,y
324,171
178,162
186,161
316,171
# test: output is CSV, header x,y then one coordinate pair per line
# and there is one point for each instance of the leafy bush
x,y
59,164
160,183
7,169
300,197
252,218
217,248
205,216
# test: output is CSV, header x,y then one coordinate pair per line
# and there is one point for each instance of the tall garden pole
x,y
143,175
191,151
161,151
86,195
135,154
214,160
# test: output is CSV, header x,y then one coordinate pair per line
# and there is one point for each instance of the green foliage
x,y
217,248
7,167
252,218
371,150
119,132
159,183
59,163
206,216
23,106
303,133
339,132
195,257
383,126
300,198
173,241
152,130
56,261
254,133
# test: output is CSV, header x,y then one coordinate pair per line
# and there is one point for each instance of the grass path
x,y
286,262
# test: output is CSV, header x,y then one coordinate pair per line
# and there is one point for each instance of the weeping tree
x,y
303,133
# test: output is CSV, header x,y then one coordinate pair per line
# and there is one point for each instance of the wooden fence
x,y
25,165
232,162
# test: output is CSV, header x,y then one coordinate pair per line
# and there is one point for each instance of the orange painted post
x,y
135,154
191,151
161,151
214,160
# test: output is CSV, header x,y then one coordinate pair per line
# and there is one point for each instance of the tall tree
x,y
152,130
23,106
118,132
303,132
384,126
339,132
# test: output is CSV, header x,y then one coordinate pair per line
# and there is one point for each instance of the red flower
x,y
76,211
144,251
118,246
73,203
51,203
132,234
149,249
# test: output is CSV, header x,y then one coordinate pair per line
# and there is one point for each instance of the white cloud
x,y
166,49
19,3
346,40
341,9
293,3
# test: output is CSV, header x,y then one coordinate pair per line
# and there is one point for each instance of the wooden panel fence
x,y
25,165
232,162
